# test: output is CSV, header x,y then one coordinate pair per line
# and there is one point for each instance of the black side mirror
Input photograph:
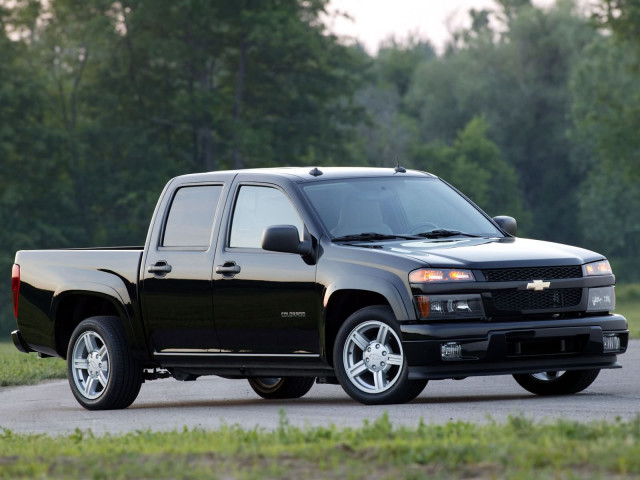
x,y
285,239
508,224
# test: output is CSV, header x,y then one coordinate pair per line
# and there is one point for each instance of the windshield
x,y
396,206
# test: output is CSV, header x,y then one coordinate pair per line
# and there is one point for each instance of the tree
x,y
609,220
29,179
386,133
101,102
606,112
517,78
622,17
475,165
606,99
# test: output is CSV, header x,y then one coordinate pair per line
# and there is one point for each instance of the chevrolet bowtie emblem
x,y
538,285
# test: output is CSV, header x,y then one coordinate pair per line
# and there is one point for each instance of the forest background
x,y
532,112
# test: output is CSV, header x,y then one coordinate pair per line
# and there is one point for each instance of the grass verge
x,y
518,448
631,311
18,368
628,305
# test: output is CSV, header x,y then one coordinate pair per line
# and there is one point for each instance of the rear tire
x,y
557,382
278,388
102,372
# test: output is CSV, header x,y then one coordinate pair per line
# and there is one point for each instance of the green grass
x,y
631,311
18,368
518,448
628,304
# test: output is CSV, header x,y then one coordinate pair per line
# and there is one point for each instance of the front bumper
x,y
492,348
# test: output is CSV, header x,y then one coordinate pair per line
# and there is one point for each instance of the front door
x,y
265,303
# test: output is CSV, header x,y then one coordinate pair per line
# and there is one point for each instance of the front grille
x,y
534,273
511,300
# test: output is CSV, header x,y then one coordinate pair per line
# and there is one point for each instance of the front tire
x,y
369,360
278,388
557,382
103,374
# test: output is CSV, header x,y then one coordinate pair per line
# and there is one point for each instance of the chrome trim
x,y
205,353
538,285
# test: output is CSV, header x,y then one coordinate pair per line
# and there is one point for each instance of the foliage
x,y
628,305
516,77
386,133
519,448
631,311
102,102
621,17
531,111
606,112
474,164
628,292
17,368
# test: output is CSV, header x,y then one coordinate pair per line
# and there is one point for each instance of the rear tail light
x,y
15,287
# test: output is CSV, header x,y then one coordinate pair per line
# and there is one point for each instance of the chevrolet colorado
x,y
376,279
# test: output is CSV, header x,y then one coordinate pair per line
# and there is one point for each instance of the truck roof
x,y
311,174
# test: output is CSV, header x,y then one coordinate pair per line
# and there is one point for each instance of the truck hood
x,y
490,252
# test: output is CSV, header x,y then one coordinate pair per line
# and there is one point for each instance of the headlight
x,y
597,268
440,275
449,307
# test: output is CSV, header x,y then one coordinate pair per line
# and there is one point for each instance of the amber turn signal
x,y
440,275
598,268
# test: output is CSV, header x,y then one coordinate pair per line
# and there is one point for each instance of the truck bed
x,y
49,277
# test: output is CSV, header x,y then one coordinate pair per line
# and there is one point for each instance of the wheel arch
x,y
70,306
344,302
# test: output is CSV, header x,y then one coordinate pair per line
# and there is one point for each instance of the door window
x,y
258,208
191,216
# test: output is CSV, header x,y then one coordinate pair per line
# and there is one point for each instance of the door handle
x,y
160,268
229,269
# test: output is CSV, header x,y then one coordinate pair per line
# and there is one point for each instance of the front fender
x,y
402,309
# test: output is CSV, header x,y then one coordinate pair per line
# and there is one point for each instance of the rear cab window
x,y
191,216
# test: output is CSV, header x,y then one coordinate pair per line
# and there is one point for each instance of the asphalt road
x,y
211,402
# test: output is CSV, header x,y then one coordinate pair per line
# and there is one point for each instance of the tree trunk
x,y
238,161
205,139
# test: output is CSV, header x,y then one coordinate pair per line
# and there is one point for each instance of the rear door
x,y
177,268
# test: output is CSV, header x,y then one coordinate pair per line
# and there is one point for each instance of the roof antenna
x,y
399,169
316,172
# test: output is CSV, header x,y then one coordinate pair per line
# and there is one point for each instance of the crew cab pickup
x,y
376,279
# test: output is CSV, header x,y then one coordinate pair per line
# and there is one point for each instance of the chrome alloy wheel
x,y
90,365
268,382
548,376
373,357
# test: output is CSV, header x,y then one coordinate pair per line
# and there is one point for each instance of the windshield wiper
x,y
443,232
368,236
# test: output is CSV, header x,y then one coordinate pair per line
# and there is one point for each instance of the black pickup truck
x,y
376,279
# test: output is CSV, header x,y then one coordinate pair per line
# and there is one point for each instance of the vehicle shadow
x,y
316,401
